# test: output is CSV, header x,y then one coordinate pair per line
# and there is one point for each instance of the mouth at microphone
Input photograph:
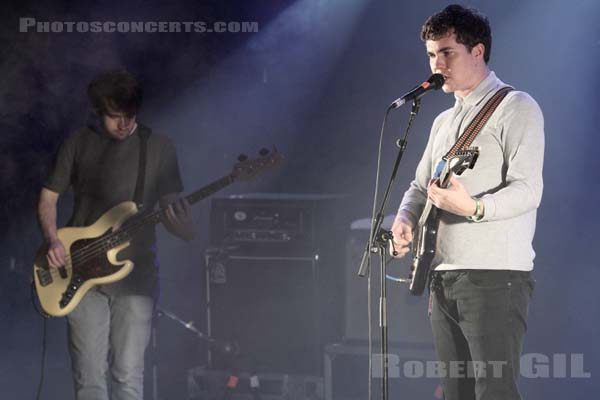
x,y
444,75
437,80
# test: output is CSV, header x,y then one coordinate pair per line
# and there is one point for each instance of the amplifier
x,y
257,224
246,221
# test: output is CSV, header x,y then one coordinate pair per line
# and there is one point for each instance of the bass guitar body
x,y
89,262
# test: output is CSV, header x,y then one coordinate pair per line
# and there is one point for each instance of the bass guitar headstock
x,y
248,169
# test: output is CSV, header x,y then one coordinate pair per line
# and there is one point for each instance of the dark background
x,y
314,80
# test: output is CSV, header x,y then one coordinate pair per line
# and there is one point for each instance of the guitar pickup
x,y
44,276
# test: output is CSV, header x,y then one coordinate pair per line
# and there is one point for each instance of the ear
x,y
478,50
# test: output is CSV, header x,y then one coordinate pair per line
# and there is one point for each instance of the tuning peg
x,y
242,157
264,151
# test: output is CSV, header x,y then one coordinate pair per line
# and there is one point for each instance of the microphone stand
x,y
221,345
378,243
229,348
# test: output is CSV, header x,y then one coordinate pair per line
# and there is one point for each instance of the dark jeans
x,y
478,319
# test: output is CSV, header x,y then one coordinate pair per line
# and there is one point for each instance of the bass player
x,y
109,329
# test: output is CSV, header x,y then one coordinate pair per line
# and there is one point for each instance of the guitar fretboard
x,y
145,219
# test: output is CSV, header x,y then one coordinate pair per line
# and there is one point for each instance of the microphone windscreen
x,y
436,80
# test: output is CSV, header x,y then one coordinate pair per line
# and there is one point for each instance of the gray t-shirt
x,y
102,173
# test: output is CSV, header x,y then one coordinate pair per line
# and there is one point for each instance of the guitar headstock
x,y
463,159
457,164
247,169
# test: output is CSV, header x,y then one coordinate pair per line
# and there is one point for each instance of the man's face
x,y
461,68
119,124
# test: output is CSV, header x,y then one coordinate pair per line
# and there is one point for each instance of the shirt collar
x,y
488,84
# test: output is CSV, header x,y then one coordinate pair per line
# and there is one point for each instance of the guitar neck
x,y
155,217
443,183
444,180
210,189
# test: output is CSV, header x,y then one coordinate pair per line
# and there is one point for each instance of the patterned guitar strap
x,y
475,126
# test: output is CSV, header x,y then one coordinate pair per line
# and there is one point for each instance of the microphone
x,y
434,82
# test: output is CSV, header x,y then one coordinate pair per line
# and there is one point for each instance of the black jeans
x,y
478,319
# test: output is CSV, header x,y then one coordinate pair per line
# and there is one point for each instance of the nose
x,y
436,60
123,122
437,64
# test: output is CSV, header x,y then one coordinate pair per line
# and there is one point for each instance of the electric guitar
x,y
91,252
425,235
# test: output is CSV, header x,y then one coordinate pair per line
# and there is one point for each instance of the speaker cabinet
x,y
267,310
275,285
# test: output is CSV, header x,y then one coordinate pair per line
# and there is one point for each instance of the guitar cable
x,y
34,303
389,260
43,363
43,358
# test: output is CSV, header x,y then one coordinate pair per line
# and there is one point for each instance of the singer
x,y
481,282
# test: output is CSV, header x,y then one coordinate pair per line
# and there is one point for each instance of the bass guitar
x,y
92,251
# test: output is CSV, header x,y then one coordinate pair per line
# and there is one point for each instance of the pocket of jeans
x,y
489,279
528,281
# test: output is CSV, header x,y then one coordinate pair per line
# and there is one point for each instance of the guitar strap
x,y
477,124
138,197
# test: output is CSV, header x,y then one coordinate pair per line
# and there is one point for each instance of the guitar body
x,y
60,290
425,241
424,251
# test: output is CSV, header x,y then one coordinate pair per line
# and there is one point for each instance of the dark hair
x,y
115,90
470,26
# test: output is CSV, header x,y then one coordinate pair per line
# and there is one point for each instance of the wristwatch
x,y
478,215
